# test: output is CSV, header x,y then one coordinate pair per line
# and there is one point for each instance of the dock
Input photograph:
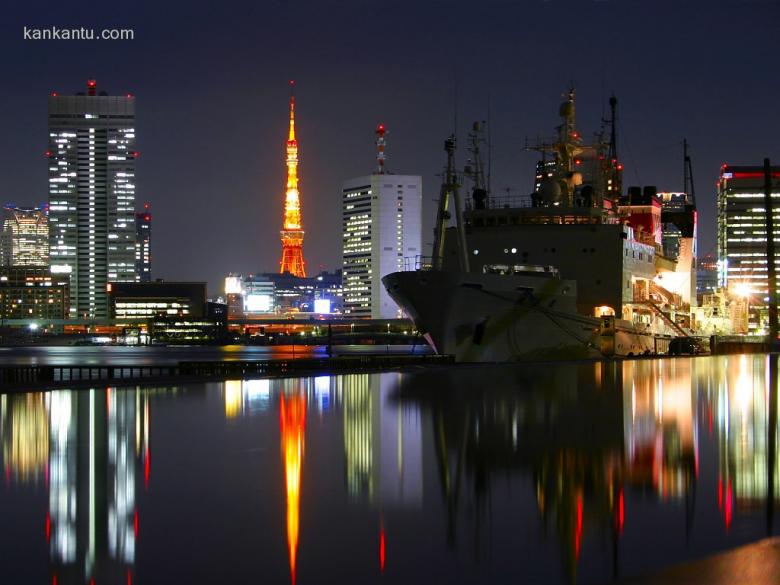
x,y
28,377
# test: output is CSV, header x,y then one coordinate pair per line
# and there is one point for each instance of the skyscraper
x,y
382,219
143,244
292,232
24,239
91,160
742,250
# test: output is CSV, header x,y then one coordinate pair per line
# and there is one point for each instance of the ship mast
x,y
475,170
450,187
688,187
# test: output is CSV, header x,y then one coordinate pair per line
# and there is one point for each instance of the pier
x,y
26,377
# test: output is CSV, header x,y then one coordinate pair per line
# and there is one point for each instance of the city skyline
x,y
199,147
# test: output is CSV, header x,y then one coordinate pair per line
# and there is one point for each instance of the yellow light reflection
x,y
26,450
233,398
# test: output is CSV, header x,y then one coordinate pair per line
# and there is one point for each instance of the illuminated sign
x,y
322,306
258,303
233,285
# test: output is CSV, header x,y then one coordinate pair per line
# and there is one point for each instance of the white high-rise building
x,y
91,160
382,223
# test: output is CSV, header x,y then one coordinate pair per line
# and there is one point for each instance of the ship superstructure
x,y
593,240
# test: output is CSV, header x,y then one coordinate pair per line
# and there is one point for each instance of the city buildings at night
x,y
742,241
24,239
266,294
707,275
292,232
33,292
91,161
143,244
382,223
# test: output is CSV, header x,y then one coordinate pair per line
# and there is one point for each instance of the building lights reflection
x,y
25,436
246,397
87,446
660,427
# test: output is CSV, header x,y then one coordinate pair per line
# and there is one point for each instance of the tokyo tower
x,y
292,234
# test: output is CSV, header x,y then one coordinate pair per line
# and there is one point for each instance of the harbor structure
x,y
382,232
24,239
742,236
91,161
292,232
143,244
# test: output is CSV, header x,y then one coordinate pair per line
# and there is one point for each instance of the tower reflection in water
x,y
382,439
85,446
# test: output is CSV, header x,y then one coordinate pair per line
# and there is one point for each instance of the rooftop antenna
x,y
380,149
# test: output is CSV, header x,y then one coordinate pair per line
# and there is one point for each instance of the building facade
x,y
143,245
33,292
742,237
24,239
382,232
91,161
147,300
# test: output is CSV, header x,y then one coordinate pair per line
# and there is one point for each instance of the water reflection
x,y
578,473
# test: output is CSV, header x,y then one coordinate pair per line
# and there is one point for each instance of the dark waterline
x,y
162,355
541,474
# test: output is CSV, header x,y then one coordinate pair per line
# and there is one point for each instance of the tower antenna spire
x,y
292,232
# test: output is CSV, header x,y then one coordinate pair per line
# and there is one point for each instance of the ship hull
x,y
505,318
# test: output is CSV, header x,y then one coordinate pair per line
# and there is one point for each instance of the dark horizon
x,y
212,93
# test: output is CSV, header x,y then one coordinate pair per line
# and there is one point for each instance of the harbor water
x,y
549,473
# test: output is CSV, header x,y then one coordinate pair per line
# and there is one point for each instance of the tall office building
x,y
143,245
24,239
742,253
91,160
382,223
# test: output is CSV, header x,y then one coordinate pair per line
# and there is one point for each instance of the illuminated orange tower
x,y
293,423
292,234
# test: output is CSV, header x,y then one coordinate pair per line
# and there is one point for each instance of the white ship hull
x,y
502,318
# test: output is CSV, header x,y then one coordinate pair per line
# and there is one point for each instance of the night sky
x,y
211,89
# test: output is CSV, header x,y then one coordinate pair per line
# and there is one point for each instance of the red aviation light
x,y
620,167
53,94
47,154
136,154
91,83
130,95
577,162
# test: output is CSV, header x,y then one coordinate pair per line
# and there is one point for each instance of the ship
x,y
576,269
